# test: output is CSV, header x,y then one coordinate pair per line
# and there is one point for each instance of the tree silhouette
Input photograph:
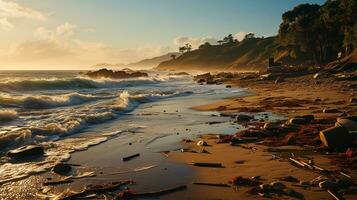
x,y
173,56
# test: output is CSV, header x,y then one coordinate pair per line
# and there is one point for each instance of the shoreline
x,y
256,159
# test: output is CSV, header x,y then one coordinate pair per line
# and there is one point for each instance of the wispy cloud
x,y
10,10
62,45
195,42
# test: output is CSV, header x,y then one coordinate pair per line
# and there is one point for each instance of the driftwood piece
x,y
124,195
212,184
202,164
334,195
98,189
296,162
130,157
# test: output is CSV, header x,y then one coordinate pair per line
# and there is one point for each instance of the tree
x,y
228,39
182,49
188,47
220,42
249,36
204,45
173,56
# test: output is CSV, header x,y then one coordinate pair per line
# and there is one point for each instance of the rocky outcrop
x,y
106,73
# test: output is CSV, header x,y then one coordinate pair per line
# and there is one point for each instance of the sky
x,y
77,34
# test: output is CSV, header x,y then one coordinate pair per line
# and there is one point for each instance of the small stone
x,y
330,110
265,186
241,118
289,179
277,185
202,143
62,168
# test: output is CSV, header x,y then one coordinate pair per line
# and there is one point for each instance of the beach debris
x,y
214,122
239,162
242,181
130,157
328,185
291,179
26,152
62,169
127,193
205,164
212,184
277,185
95,189
202,143
244,118
336,137
236,141
347,123
330,110
81,175
334,195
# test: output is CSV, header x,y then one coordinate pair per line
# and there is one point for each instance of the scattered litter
x,y
130,157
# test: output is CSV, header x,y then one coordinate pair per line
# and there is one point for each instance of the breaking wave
x,y
45,101
73,83
7,115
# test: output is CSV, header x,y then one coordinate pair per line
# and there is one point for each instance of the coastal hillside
x,y
152,62
309,34
253,52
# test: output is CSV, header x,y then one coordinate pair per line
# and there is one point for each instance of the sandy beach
x,y
293,97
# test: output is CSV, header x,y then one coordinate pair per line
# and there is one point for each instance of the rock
x,y
179,74
353,100
330,110
317,75
336,137
228,86
105,73
243,118
265,186
62,169
26,152
289,179
318,100
277,185
350,125
298,120
328,185
202,143
271,125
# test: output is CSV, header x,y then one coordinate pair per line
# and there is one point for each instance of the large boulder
x,y
26,152
336,137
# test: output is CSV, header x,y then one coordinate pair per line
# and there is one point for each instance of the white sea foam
x,y
8,115
47,101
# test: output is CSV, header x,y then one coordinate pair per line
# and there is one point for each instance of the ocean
x,y
66,112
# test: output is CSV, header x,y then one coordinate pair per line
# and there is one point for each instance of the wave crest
x,y
45,101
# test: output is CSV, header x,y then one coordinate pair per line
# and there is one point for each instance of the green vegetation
x,y
309,34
